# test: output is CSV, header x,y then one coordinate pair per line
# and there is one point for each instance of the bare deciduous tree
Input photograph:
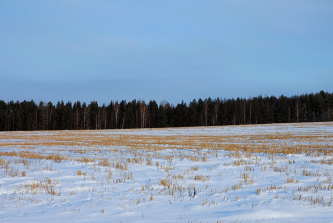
x,y
205,112
216,111
116,109
144,113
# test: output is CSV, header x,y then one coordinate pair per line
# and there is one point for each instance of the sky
x,y
170,51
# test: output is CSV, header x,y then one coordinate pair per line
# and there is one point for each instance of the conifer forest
x,y
29,115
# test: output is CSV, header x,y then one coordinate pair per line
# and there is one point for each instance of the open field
x,y
258,173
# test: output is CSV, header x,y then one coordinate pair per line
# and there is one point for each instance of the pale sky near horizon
x,y
163,50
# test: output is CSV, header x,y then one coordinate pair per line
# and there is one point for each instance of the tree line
x,y
27,115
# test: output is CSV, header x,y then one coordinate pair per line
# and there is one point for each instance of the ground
x,y
255,173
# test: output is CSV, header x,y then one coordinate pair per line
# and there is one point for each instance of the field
x,y
257,173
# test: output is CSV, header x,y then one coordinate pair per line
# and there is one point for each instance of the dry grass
x,y
282,142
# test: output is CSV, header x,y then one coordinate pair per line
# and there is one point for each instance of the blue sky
x,y
163,50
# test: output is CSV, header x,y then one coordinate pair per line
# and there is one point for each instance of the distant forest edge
x,y
28,115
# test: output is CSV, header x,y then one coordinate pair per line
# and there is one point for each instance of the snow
x,y
150,175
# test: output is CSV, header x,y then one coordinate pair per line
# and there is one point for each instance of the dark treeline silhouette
x,y
28,115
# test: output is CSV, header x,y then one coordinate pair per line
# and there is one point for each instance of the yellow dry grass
x,y
277,143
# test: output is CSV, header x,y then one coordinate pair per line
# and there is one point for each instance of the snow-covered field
x,y
258,173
